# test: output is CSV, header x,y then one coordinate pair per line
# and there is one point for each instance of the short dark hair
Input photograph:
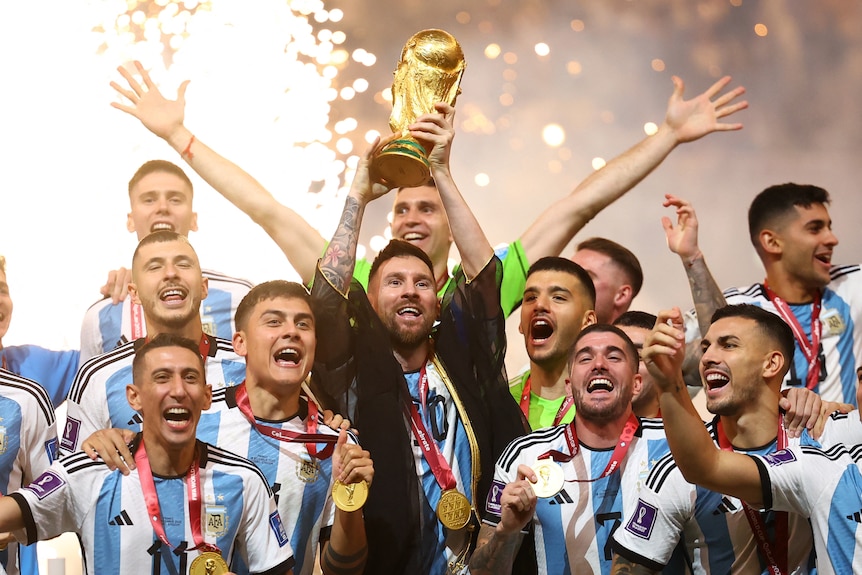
x,y
395,249
639,319
154,166
558,264
429,184
775,202
161,237
631,350
769,324
621,256
267,291
159,341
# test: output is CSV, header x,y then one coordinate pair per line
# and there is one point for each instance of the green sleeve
x,y
361,272
515,266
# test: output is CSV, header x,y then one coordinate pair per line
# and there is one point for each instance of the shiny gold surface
x,y
208,563
351,496
453,510
550,478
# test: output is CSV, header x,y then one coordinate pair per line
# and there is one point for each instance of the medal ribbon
x,y
622,447
311,438
774,555
193,489
565,406
811,349
439,466
136,319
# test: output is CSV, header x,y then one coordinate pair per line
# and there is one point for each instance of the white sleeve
x,y
785,484
86,412
502,478
50,506
38,442
841,428
263,535
651,530
91,333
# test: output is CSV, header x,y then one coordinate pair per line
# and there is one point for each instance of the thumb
x,y
181,92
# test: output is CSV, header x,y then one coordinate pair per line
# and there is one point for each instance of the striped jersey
x,y
840,343
301,485
824,485
108,511
28,445
98,397
107,326
573,529
717,535
443,422
53,370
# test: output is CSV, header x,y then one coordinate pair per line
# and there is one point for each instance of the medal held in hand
x,y
349,496
453,510
428,72
209,563
550,478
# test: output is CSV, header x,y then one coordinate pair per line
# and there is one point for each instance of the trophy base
x,y
402,164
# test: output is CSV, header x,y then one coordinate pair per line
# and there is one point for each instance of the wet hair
x,y
160,341
621,256
769,324
267,291
154,166
776,202
161,237
564,265
399,249
631,350
639,319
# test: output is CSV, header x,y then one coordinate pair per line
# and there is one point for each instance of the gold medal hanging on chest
x,y
349,496
209,563
453,510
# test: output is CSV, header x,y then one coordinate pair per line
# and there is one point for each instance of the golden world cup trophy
x,y
429,71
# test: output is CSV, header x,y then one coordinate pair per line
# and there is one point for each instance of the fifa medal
x,y
550,478
209,563
453,510
349,496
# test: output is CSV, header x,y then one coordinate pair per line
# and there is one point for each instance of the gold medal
x,y
550,478
453,510
349,496
209,563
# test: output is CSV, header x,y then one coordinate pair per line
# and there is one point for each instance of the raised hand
x,y
158,114
518,502
695,118
682,238
664,349
351,463
436,132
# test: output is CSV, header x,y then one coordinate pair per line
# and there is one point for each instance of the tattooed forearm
x,y
497,555
340,256
623,566
705,292
335,563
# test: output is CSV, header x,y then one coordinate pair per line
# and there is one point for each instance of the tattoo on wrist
x,y
340,255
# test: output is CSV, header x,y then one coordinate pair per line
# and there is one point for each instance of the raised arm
x,y
685,121
300,242
697,457
437,131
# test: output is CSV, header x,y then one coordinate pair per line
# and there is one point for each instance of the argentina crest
x,y
216,520
307,468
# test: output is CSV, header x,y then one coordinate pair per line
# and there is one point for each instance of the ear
x,y
130,223
589,318
133,293
770,242
194,223
133,396
637,384
773,364
239,344
623,296
205,288
208,397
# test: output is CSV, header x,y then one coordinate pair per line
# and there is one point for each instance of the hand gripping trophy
x,y
429,71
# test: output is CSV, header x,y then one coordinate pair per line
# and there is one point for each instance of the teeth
x,y
174,292
412,236
410,310
716,379
600,383
288,355
541,329
162,226
177,414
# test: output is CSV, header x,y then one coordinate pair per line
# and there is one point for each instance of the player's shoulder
x,y
226,281
528,447
101,367
26,392
746,294
845,272
651,428
665,474
223,349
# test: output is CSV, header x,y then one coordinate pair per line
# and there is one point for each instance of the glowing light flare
x,y
577,25
338,37
492,51
482,179
650,128
657,64
506,99
360,85
553,135
344,145
542,49
336,14
760,30
598,163
347,93
510,58
370,135
462,17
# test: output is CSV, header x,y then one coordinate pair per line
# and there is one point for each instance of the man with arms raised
x,y
558,301
821,485
637,325
587,472
168,284
418,215
186,503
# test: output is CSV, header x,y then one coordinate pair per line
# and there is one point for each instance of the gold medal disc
x,y
350,496
550,478
209,563
453,510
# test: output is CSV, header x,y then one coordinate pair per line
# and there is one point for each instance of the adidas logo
x,y
726,506
857,517
121,519
561,498
136,420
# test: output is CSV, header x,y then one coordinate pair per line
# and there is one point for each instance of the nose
x,y
831,238
162,204
178,388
